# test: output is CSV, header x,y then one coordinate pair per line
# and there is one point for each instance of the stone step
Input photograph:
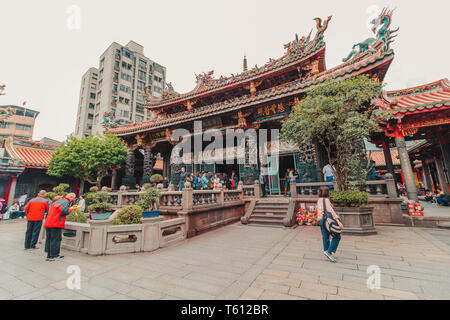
x,y
263,216
270,210
443,224
265,221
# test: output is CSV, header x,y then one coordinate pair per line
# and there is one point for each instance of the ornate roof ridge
x,y
296,50
435,85
284,89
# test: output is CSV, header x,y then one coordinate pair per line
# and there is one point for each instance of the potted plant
x,y
339,115
128,215
100,209
149,201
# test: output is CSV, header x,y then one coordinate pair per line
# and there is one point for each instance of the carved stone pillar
x,y
12,191
129,179
411,187
250,167
149,163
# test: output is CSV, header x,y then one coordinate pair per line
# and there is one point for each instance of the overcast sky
x,y
42,59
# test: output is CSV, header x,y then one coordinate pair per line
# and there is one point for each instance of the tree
x,y
89,158
339,115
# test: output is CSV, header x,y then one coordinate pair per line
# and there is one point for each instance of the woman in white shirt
x,y
329,248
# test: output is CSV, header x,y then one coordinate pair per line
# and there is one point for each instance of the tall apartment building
x,y
86,103
124,75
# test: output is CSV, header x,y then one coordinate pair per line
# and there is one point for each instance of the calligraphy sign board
x,y
270,111
158,136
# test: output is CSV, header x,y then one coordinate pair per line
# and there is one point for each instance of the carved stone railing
x,y
232,195
205,197
171,199
375,188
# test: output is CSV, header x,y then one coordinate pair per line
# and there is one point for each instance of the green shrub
x,y
349,198
77,216
156,178
149,200
99,202
128,215
93,189
61,189
146,186
50,195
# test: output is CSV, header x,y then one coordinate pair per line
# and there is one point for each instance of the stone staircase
x,y
273,212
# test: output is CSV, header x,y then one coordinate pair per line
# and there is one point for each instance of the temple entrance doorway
x,y
286,162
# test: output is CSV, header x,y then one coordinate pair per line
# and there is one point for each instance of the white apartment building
x,y
124,76
86,103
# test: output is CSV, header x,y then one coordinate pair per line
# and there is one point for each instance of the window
x,y
141,85
117,65
157,89
125,76
127,53
30,114
116,76
142,75
140,97
139,118
159,68
142,64
90,116
4,125
127,101
92,95
114,99
114,87
124,88
23,127
139,108
91,106
93,86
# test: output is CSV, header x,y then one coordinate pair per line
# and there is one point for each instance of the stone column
x,y
12,191
388,159
445,149
441,175
427,176
129,179
114,179
149,163
411,187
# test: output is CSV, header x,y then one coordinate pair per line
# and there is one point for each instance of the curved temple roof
x,y
427,97
33,154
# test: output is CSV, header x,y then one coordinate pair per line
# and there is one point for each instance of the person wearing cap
x,y
35,211
54,223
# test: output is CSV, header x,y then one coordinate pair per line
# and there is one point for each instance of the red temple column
x,y
12,191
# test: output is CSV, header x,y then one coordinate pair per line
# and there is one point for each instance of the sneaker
x,y
34,248
50,259
59,258
329,256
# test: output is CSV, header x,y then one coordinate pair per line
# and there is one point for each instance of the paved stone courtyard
x,y
239,262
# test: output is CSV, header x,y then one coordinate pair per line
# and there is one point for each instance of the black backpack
x,y
329,223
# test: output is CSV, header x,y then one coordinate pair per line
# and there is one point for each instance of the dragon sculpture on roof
x,y
5,113
384,36
110,121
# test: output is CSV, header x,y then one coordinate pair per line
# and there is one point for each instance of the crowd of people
x,y
206,180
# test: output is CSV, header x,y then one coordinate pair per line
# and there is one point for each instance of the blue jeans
x,y
330,179
331,248
181,186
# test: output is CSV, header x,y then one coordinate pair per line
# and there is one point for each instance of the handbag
x,y
329,223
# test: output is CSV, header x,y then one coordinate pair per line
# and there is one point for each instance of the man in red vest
x,y
35,211
54,223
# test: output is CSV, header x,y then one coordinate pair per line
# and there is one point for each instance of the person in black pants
x,y
35,211
54,223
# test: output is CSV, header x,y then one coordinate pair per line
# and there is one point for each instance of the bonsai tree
x,y
60,190
149,200
156,178
100,204
89,159
339,115
128,215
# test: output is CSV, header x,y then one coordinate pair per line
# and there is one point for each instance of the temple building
x,y
420,114
258,98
